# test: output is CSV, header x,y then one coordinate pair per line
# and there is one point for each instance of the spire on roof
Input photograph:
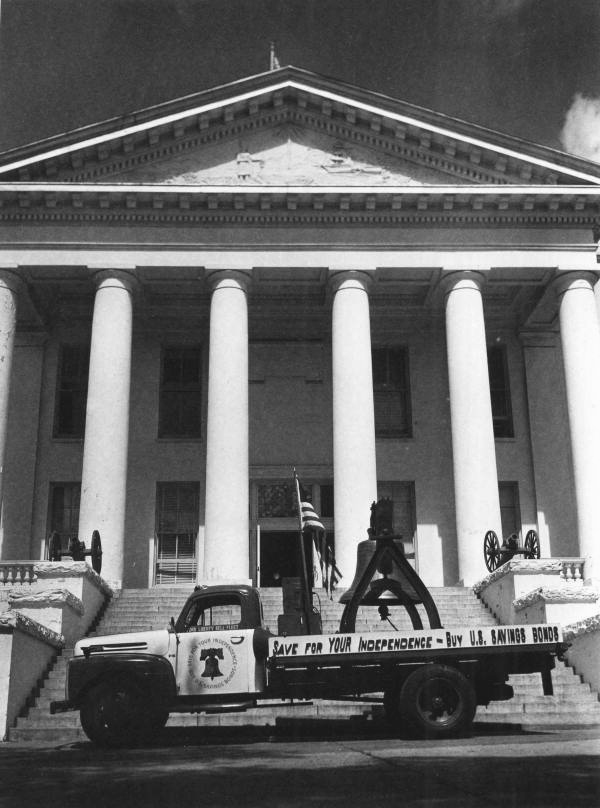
x,y
273,60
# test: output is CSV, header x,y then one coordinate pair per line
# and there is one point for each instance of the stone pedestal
x,y
78,579
536,591
584,653
56,609
26,650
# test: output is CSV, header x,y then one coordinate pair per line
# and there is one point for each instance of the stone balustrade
x,y
17,573
573,570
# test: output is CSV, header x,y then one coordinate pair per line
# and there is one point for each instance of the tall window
x,y
177,519
510,509
73,365
391,393
180,406
64,510
500,392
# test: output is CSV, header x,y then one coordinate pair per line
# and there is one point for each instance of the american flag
x,y
310,520
309,517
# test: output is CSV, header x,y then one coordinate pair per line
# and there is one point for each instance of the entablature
x,y
300,205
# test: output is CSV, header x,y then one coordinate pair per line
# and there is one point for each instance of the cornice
x,y
575,206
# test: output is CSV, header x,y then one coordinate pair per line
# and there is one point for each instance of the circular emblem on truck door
x,y
212,663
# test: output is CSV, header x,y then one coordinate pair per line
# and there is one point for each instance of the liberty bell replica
x,y
384,576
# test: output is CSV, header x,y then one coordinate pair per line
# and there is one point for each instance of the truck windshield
x,y
221,615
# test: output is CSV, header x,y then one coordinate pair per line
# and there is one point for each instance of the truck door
x,y
214,655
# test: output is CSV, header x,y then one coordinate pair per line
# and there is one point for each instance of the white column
x,y
580,338
473,451
9,284
104,473
354,458
226,535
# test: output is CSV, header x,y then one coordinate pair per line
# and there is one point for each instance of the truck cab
x,y
221,644
213,658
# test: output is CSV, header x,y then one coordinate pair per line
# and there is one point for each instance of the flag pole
x,y
306,588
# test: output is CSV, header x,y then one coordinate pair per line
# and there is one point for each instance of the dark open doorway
x,y
280,556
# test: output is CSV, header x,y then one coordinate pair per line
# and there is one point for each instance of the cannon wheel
x,y
96,552
532,545
54,547
491,551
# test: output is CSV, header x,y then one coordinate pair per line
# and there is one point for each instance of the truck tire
x,y
119,712
436,701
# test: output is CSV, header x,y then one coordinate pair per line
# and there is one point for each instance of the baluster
x,y
569,573
578,573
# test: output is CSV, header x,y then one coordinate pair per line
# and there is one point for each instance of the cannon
x,y
76,550
496,554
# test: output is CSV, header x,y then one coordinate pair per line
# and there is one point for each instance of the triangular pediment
x,y
295,128
283,155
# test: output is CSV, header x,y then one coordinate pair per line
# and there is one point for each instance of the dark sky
x,y
511,65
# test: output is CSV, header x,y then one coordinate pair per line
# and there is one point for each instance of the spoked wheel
x,y
491,551
532,545
118,713
437,701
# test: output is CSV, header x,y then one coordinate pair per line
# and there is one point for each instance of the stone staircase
x,y
573,704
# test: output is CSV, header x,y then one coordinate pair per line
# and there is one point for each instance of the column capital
x,y
228,278
463,279
121,275
573,279
351,279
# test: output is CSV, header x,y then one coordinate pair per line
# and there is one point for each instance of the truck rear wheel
x,y
119,712
435,701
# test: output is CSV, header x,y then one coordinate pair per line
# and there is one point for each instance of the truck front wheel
x,y
118,712
436,701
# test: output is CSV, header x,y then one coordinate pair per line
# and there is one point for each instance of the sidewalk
x,y
310,767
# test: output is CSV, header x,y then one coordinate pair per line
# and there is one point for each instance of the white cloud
x,y
580,134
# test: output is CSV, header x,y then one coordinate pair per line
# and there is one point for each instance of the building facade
x,y
292,272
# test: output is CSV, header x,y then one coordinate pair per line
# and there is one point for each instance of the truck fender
x,y
154,673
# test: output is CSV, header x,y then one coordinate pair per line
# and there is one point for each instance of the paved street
x,y
310,767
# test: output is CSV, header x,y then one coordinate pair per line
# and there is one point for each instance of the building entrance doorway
x,y
280,556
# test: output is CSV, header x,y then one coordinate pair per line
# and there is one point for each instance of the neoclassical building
x,y
288,271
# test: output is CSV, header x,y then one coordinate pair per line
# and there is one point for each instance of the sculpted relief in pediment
x,y
285,155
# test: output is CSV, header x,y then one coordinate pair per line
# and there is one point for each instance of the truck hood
x,y
143,642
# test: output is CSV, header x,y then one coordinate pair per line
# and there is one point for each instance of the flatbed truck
x,y
218,656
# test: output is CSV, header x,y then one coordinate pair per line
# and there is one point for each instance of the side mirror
x,y
172,624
